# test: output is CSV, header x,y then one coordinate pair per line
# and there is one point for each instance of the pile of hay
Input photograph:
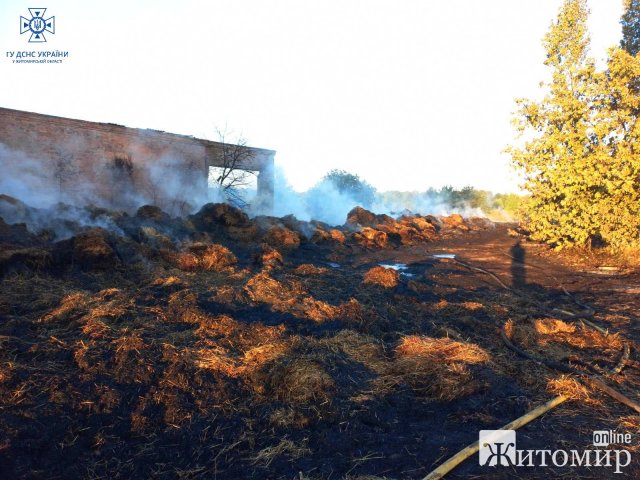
x,y
365,218
281,237
90,250
201,256
295,380
385,277
454,222
288,296
268,257
558,337
436,367
371,238
333,235
309,269
569,387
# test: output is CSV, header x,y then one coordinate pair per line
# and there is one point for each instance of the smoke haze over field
x,y
60,190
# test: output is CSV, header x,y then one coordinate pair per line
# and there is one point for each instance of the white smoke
x,y
24,177
175,187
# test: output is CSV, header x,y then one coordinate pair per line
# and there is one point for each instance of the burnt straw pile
x,y
222,346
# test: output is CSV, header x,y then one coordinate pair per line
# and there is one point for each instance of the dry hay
x,y
132,361
92,250
102,399
442,350
379,230
288,417
281,237
182,308
295,380
592,339
630,423
266,289
436,368
215,326
371,238
479,223
570,387
200,256
167,282
23,258
407,233
152,212
228,295
234,364
446,308
71,306
551,326
224,345
317,310
454,221
257,356
218,359
524,336
421,224
361,348
353,312
328,236
365,218
284,447
268,257
243,335
336,236
152,237
126,358
244,233
385,277
114,308
213,215
553,334
309,269
288,297
6,371
95,328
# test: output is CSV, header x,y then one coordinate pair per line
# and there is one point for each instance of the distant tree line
x,y
468,200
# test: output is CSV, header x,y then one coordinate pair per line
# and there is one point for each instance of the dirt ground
x,y
224,347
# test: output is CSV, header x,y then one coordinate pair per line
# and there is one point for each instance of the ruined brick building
x,y
163,165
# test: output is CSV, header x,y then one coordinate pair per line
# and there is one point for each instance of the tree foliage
x,y
631,27
351,185
468,200
579,160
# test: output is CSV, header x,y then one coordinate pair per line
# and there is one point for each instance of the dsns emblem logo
x,y
37,25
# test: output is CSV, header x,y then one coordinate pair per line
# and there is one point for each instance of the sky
x,y
408,94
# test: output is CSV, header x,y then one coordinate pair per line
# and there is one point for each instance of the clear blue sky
x,y
408,94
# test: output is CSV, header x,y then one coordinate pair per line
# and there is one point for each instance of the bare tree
x,y
231,162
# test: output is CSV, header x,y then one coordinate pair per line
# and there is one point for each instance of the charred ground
x,y
218,346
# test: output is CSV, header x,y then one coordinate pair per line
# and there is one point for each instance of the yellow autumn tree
x,y
618,159
578,156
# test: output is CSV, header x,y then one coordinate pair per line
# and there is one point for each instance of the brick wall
x,y
159,158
